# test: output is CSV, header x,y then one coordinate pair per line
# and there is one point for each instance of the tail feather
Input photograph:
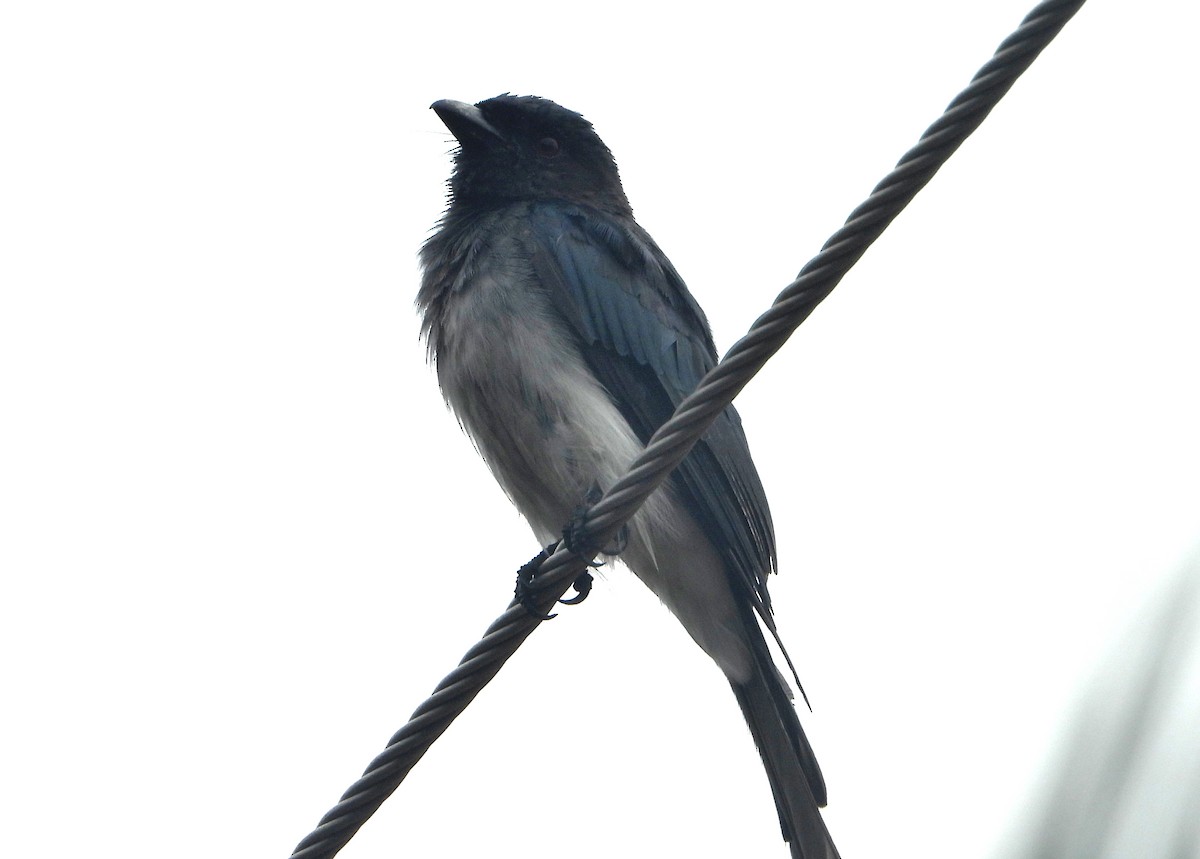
x,y
795,777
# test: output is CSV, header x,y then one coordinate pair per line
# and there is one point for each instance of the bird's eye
x,y
547,147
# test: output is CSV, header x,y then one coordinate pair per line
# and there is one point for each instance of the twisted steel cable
x,y
554,572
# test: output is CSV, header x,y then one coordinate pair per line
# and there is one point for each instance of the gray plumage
x,y
562,338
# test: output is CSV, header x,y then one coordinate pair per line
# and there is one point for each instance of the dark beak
x,y
466,122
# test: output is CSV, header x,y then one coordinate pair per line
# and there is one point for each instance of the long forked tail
x,y
791,766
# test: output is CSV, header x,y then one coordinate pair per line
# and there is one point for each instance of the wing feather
x,y
649,345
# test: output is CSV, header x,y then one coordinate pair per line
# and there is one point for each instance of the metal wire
x,y
672,442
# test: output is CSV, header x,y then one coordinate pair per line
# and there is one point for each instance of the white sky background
x,y
241,538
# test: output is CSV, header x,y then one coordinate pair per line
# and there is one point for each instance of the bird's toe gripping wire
x,y
523,593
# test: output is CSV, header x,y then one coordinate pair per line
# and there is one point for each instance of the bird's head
x,y
529,148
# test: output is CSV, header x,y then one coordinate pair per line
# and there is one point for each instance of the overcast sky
x,y
241,538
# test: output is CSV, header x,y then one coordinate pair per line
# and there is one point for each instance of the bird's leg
x,y
619,542
523,593
573,533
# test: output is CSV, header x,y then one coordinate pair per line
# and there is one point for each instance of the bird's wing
x,y
649,345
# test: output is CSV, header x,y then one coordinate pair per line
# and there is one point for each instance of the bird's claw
x,y
583,587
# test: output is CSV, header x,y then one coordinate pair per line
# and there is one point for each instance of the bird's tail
x,y
791,766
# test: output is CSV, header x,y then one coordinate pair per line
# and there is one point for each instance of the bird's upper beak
x,y
466,122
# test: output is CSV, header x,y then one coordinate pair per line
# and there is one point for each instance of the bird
x,y
562,337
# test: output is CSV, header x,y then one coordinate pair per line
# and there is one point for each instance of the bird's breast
x,y
515,375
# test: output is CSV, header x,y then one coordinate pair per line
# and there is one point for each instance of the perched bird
x,y
562,338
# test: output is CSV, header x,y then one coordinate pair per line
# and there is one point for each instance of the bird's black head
x,y
529,148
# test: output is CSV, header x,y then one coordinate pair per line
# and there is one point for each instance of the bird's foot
x,y
573,534
524,593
